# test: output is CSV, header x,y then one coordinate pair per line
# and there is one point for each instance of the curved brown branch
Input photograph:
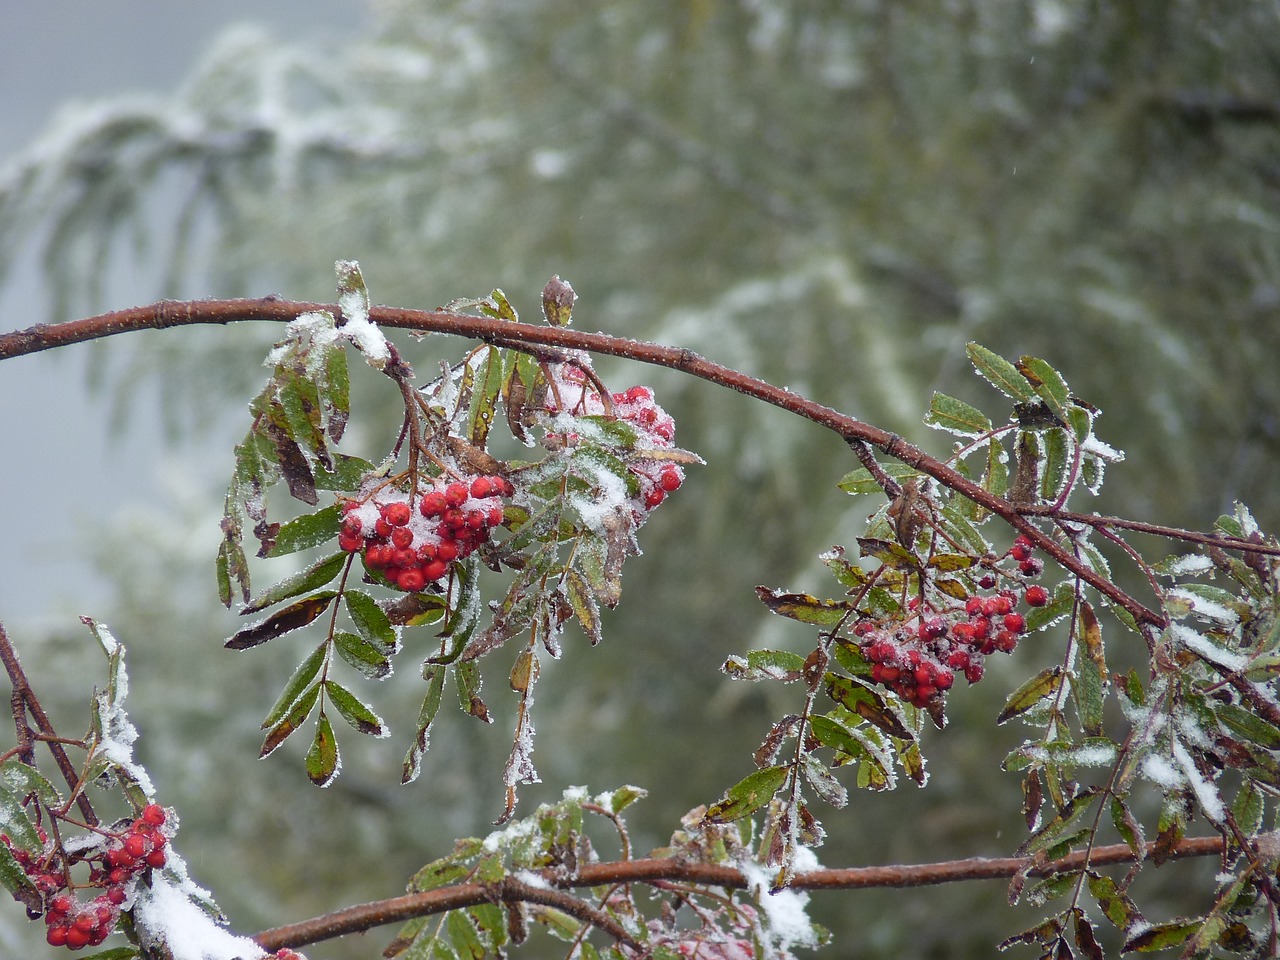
x,y
525,336
549,890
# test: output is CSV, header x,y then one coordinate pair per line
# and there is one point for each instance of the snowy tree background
x,y
832,196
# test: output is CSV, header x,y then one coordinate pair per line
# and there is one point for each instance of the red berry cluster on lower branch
x,y
412,541
72,923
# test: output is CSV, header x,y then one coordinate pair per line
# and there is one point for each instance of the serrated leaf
x,y
1160,936
748,795
891,554
584,605
302,677
322,760
316,575
826,786
484,399
621,798
289,725
371,621
999,372
467,676
293,617
1127,826
1044,684
956,416
335,386
434,675
1061,826
462,933
765,665
868,704
803,607
356,713
1057,457
363,655
307,531
861,481
1047,384
1090,680
27,780
347,473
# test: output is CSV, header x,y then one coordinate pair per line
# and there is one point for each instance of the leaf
x,y
306,672
999,372
347,473
371,621
956,416
1161,936
306,531
231,564
484,401
861,481
322,760
869,705
315,576
827,787
1054,468
891,554
765,665
467,675
1047,384
803,607
363,655
1091,672
290,724
354,711
434,675
1043,684
1056,829
584,605
748,795
293,617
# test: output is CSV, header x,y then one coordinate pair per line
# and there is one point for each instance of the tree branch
x,y
366,916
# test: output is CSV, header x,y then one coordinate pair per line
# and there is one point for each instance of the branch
x,y
366,916
169,313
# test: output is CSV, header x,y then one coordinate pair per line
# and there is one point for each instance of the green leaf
x,y
1060,826
347,474
892,554
765,665
868,704
1057,455
336,388
307,531
467,676
322,760
434,675
315,576
1160,936
371,621
621,798
1090,680
999,372
293,617
861,481
584,604
26,780
956,416
1044,684
354,711
803,607
826,786
463,935
363,655
289,725
231,564
484,399
302,677
1047,384
1059,605
1245,723
748,795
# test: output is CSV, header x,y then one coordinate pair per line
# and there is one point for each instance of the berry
x,y
456,494
350,544
1036,596
412,579
382,528
1031,567
397,513
433,504
402,537
670,480
156,859
447,551
653,497
56,936
481,487
116,895
1015,622
76,938
436,569
973,606
135,846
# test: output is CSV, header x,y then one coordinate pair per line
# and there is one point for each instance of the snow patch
x,y
164,914
787,922
1206,648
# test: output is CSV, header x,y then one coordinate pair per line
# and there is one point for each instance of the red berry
x,y
116,895
56,936
436,570
397,514
402,537
654,497
156,859
973,672
433,504
973,606
412,579
638,395
456,494
507,488
481,487
403,557
987,581
135,846
382,528
351,526
1036,596
62,903
76,938
350,544
1031,568
85,922
454,518
1006,640
1015,622
671,479
447,552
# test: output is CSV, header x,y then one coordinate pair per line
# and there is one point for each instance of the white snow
x,y
1205,791
1207,649
165,914
1189,565
1161,772
357,327
787,922
1204,607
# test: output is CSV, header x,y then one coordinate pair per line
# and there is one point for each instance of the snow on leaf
x,y
170,923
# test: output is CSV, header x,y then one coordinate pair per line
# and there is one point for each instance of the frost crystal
x,y
1206,793
786,923
1207,649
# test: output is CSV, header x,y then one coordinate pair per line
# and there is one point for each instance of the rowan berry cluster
x,y
72,923
636,406
919,658
411,541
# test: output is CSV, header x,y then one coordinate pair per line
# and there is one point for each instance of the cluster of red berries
x,y
920,658
636,406
71,923
412,542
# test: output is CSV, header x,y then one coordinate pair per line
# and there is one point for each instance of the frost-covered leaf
x,y
467,675
484,399
1047,384
292,721
363,655
956,416
1044,684
315,576
1090,679
356,713
999,372
434,675
584,605
870,705
861,481
307,531
306,672
827,787
293,617
322,761
1161,936
371,621
803,607
765,665
748,795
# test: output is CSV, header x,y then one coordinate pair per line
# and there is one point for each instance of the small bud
x,y
557,302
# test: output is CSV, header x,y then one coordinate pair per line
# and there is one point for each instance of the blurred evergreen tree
x,y
831,195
